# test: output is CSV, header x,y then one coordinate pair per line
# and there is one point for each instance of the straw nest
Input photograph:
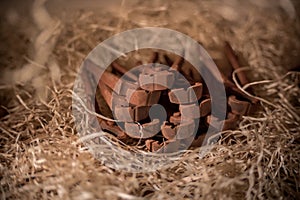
x,y
41,154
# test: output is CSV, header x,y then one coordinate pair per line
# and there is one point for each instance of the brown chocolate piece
x,y
234,63
205,107
177,63
237,106
168,146
186,96
189,111
106,93
144,131
153,145
232,88
180,131
156,80
142,97
229,123
197,142
123,71
233,59
105,125
131,114
175,118
153,58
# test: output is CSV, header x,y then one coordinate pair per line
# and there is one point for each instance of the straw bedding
x,y
41,156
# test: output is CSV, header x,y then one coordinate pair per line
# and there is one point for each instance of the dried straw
x,y
42,158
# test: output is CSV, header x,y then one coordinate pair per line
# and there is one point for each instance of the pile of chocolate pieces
x,y
132,98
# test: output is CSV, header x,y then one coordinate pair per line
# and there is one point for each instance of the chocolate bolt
x,y
168,146
124,71
186,96
118,85
229,123
131,114
156,80
105,125
234,63
180,131
142,97
238,107
143,131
